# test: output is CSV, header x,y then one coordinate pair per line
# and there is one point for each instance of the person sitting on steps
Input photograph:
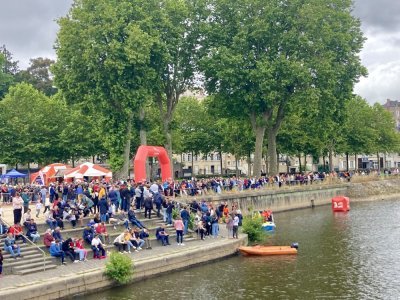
x,y
119,242
55,251
80,249
132,218
32,232
144,235
98,248
48,238
101,231
16,230
162,235
11,247
88,234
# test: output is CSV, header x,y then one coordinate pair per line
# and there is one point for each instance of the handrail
x,y
27,239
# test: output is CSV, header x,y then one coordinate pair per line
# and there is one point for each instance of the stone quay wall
x,y
285,199
282,199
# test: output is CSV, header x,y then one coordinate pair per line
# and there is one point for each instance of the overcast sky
x,y
28,29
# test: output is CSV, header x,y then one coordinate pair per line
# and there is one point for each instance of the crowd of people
x,y
120,191
108,204
116,203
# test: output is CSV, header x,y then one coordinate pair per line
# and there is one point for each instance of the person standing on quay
x,y
179,226
17,208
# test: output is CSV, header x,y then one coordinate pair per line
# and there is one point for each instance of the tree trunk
x,y
168,142
143,135
249,164
93,158
384,161
73,161
299,162
237,168
379,163
324,163
330,160
355,163
124,172
260,132
347,161
29,170
220,156
305,162
192,165
272,154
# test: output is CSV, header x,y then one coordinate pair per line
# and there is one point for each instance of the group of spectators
x,y
122,191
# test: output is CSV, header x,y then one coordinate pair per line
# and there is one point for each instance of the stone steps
x,y
34,270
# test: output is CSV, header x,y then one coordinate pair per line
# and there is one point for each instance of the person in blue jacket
x,y
103,208
56,251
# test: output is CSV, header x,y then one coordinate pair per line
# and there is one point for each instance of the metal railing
x,y
27,239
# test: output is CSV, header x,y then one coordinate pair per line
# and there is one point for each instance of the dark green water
x,y
353,255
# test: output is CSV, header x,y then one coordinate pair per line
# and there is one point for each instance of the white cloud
x,y
381,57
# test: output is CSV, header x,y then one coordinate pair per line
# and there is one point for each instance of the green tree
x,y
6,79
30,126
38,74
103,62
265,58
176,24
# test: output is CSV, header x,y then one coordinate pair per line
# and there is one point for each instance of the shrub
x,y
191,221
252,226
175,213
119,268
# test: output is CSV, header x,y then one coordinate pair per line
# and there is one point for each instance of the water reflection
x,y
350,255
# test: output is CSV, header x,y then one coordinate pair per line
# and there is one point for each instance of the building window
x,y
189,157
211,156
229,162
195,157
218,157
183,156
351,163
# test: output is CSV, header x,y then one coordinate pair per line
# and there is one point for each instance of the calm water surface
x,y
353,255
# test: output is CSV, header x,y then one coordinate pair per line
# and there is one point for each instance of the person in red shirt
x,y
48,238
16,230
79,248
101,230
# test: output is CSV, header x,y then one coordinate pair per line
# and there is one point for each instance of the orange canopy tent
x,y
88,170
45,175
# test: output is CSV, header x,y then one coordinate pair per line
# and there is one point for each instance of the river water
x,y
352,255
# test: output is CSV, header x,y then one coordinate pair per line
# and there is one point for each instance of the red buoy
x,y
340,203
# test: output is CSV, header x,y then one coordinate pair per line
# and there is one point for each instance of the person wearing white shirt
x,y
97,247
236,226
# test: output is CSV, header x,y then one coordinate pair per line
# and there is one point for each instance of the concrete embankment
x,y
374,190
289,198
69,282
282,199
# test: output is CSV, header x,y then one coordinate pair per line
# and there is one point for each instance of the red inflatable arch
x,y
139,163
